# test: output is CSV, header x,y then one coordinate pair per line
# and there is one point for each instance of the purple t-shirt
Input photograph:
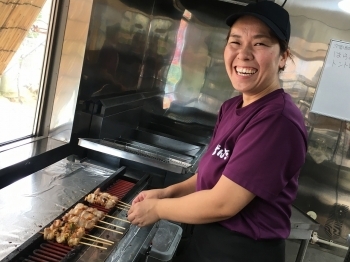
x,y
261,147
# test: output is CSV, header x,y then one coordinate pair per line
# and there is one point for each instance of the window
x,y
20,79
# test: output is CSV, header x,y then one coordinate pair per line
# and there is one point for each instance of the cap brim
x,y
233,18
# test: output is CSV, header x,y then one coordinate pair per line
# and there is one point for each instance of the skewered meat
x,y
84,216
69,232
51,232
102,198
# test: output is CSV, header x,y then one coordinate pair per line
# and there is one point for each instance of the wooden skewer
x,y
108,241
84,243
124,203
110,229
99,241
111,224
118,218
104,242
122,207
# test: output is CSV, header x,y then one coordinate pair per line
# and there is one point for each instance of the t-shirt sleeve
x,y
266,156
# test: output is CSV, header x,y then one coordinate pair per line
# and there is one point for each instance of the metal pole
x,y
302,250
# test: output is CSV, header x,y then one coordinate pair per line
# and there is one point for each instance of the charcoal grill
x,y
125,188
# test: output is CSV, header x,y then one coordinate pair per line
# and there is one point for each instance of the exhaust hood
x,y
214,12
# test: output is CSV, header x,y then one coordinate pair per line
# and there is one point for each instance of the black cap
x,y
272,14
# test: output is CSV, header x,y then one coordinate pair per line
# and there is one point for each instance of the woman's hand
x,y
149,194
144,212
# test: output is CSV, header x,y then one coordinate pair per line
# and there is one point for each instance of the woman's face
x,y
252,58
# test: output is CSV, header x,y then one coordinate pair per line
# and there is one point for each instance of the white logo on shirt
x,y
222,153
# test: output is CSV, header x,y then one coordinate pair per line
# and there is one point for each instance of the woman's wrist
x,y
166,192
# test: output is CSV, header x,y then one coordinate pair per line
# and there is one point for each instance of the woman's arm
x,y
221,202
177,190
181,189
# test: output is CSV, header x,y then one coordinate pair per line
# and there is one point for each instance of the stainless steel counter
x,y
32,202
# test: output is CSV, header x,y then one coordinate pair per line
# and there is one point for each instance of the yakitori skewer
x,y
117,218
98,241
122,208
74,224
86,217
84,243
102,198
64,232
123,203
94,240
101,221
108,241
106,228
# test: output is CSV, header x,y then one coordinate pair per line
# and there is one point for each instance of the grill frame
x,y
24,251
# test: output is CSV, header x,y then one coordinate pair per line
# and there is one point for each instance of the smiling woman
x,y
241,211
20,77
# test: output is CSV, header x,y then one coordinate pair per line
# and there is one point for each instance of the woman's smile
x,y
245,71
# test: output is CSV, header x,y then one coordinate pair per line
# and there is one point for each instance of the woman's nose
x,y
245,53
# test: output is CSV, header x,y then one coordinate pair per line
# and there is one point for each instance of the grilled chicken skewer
x,y
73,225
62,232
102,198
87,217
84,216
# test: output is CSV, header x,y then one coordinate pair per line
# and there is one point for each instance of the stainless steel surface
x,y
154,47
23,152
68,75
150,151
111,148
32,202
302,225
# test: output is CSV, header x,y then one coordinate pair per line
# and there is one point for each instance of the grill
x,y
49,251
38,249
164,155
152,152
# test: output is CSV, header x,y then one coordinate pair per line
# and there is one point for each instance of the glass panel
x,y
20,83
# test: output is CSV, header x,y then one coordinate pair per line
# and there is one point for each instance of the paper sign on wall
x,y
332,97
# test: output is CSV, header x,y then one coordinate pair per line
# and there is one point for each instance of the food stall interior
x,y
133,95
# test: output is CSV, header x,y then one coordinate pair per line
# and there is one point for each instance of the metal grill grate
x,y
51,251
146,152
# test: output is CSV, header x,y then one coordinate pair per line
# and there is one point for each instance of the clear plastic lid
x,y
165,240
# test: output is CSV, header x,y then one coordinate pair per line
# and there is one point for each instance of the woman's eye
x,y
260,44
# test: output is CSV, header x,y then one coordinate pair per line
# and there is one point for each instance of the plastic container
x,y
165,242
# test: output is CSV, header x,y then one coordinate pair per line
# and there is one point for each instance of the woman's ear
x,y
283,60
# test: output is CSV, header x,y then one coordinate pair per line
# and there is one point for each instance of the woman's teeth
x,y
245,71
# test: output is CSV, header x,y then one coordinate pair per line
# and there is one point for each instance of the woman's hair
x,y
283,48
